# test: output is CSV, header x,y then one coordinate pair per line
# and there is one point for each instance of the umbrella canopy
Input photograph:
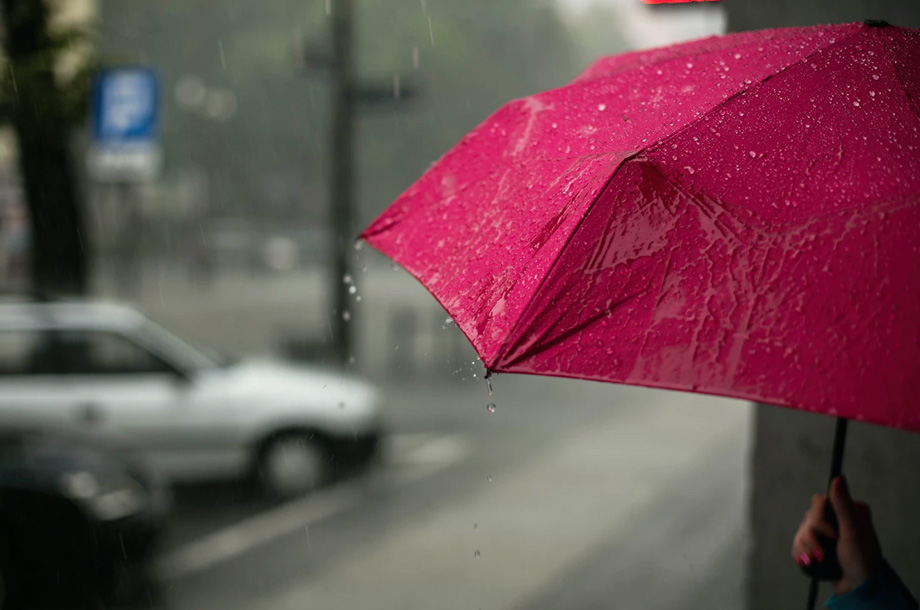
x,y
738,215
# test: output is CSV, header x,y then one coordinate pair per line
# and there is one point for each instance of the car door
x,y
118,386
34,387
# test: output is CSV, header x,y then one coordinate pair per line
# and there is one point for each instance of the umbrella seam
x,y
512,336
911,102
737,94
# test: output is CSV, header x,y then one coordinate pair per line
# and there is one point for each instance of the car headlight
x,y
106,498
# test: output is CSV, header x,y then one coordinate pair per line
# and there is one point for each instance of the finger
x,y
825,530
862,512
843,503
806,548
816,510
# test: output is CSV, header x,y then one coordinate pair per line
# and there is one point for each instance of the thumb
x,y
842,502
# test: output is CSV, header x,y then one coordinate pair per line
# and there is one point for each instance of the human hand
x,y
858,550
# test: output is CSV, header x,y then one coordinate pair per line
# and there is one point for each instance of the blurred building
x,y
792,448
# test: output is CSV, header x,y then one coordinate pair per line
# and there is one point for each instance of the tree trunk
x,y
59,256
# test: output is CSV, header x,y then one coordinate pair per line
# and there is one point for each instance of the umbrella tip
x,y
876,23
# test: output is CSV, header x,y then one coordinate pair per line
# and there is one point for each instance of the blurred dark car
x,y
79,520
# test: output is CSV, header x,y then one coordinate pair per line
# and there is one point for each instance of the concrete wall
x,y
792,449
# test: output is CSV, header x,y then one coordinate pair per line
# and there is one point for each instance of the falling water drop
x,y
490,407
490,478
359,245
352,289
347,278
346,315
476,554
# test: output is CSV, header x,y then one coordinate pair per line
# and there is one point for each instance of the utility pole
x,y
348,97
342,179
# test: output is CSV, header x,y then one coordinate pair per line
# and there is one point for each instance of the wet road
x,y
569,495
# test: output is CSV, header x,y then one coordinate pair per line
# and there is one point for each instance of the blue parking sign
x,y
125,109
125,105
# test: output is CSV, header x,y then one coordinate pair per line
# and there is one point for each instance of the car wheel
x,y
293,464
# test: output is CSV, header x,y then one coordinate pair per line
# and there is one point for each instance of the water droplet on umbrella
x,y
490,407
737,55
602,107
875,77
856,103
872,93
690,170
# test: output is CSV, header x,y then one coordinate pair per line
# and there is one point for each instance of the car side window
x,y
28,352
105,353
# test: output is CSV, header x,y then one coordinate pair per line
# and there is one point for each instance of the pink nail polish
x,y
819,555
805,559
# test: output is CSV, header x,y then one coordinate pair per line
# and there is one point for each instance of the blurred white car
x,y
107,366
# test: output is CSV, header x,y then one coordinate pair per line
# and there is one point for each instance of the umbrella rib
x,y
512,337
574,330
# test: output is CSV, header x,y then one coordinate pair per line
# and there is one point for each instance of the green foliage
x,y
57,79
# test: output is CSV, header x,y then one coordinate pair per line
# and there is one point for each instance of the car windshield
x,y
179,350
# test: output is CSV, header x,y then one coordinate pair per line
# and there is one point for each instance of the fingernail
x,y
819,555
805,559
798,560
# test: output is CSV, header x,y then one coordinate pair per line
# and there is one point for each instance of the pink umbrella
x,y
736,216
